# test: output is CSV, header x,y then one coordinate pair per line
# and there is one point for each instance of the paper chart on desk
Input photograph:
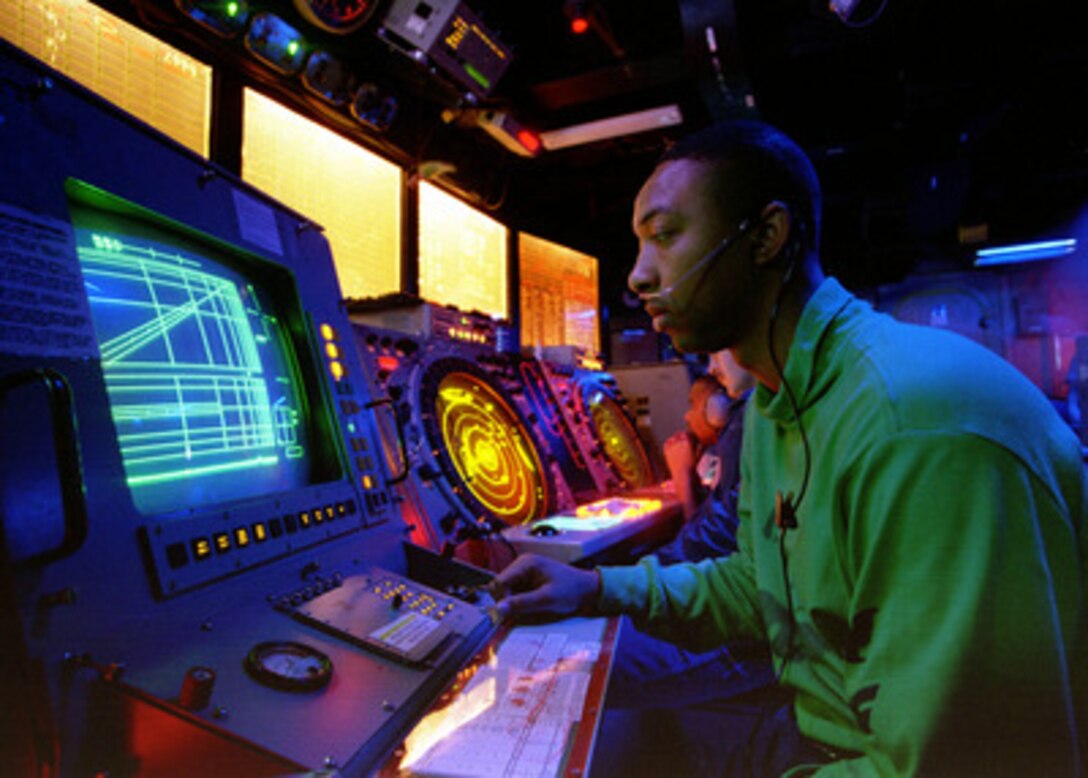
x,y
514,717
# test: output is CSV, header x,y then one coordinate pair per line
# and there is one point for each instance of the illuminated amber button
x,y
202,548
260,532
241,537
304,519
222,542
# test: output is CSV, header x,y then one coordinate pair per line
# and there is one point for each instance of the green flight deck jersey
x,y
928,608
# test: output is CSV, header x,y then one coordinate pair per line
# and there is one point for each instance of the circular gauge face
x,y
337,16
290,666
619,439
483,445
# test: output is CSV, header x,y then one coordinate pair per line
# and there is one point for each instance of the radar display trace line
x,y
186,380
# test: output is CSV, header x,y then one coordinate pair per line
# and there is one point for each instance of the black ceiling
x,y
922,116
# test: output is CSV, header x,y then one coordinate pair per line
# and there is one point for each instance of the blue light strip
x,y
1025,252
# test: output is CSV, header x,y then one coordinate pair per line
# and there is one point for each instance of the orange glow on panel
x,y
559,295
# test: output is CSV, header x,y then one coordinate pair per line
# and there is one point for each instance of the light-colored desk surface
x,y
529,704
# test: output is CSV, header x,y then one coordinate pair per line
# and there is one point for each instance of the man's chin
x,y
686,346
689,343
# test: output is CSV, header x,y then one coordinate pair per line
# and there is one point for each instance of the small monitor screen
x,y
199,350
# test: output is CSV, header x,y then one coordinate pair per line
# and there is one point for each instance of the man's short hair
x,y
768,166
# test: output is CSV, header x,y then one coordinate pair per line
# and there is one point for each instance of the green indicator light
x,y
232,9
292,48
478,77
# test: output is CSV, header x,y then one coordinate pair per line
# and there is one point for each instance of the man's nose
x,y
643,276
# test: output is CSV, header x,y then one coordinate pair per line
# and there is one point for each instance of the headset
x,y
786,505
703,265
716,409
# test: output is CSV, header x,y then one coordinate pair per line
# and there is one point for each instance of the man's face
x,y
678,220
695,417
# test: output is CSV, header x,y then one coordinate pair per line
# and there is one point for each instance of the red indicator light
x,y
388,363
579,25
529,140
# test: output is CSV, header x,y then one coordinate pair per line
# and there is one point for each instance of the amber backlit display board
x,y
155,82
462,254
558,295
351,192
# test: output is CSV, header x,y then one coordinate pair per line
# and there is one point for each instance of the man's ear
x,y
772,235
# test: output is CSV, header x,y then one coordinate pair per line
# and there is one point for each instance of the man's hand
x,y
679,452
536,584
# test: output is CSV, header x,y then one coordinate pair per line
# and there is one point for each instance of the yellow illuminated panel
x,y
155,82
462,254
351,192
559,295
604,513
622,508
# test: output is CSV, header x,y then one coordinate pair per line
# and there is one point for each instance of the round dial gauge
x,y
290,666
337,16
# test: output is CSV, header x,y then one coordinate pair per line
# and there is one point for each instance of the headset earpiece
x,y
717,409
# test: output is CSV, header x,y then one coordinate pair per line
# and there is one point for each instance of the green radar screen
x,y
201,377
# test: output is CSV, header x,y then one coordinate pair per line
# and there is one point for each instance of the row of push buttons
x,y
203,547
399,596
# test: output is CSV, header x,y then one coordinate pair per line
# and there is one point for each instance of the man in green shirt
x,y
912,511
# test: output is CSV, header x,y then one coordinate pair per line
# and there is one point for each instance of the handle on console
x,y
66,448
393,477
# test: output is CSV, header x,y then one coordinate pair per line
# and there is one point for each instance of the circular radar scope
x,y
483,444
617,435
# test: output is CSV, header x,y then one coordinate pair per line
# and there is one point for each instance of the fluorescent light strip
x,y
1025,252
614,127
